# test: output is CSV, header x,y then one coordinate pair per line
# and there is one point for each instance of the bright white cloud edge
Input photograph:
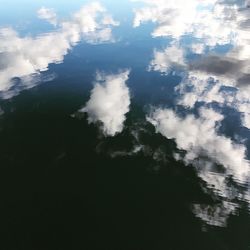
x,y
109,102
24,56
205,149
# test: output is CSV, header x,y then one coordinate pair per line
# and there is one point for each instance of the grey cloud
x,y
244,80
230,68
6,59
233,2
217,65
245,24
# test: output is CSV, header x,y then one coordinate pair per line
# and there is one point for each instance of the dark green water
x,y
60,189
64,185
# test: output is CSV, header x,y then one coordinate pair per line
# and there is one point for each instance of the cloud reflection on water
x,y
210,24
206,73
24,56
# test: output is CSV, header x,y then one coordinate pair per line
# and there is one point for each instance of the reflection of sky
x,y
182,57
13,11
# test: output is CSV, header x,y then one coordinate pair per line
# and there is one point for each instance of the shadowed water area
x,y
125,125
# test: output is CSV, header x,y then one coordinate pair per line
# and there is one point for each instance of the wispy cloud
x,y
23,56
47,14
206,150
210,23
168,59
199,137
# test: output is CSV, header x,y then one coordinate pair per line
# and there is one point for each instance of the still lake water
x,y
174,175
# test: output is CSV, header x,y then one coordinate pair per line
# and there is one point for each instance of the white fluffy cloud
x,y
211,20
171,57
47,14
173,17
203,87
23,56
200,87
199,138
205,149
210,23
109,102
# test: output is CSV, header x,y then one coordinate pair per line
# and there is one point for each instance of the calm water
x,y
125,125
